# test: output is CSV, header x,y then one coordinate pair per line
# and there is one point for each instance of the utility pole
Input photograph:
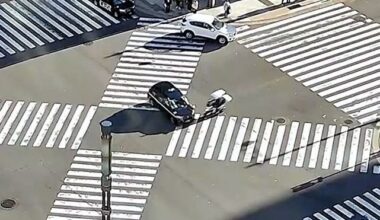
x,y
106,181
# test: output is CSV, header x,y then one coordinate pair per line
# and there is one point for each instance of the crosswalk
x,y
333,51
154,53
259,141
36,124
365,206
27,24
80,195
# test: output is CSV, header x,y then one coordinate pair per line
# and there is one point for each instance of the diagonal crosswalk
x,y
43,124
155,53
30,24
80,196
257,141
333,51
365,206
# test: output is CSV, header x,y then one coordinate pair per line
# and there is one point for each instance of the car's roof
x,y
201,17
168,89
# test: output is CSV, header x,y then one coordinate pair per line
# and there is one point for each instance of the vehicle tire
x,y
222,40
189,34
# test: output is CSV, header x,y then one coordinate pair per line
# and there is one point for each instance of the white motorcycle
x,y
217,103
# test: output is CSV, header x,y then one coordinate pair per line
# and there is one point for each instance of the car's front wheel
x,y
189,34
222,40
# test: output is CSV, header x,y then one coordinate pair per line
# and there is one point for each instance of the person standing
x,y
227,8
194,6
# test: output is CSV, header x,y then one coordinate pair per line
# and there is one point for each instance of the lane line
x,y
22,123
71,126
10,121
252,140
291,141
277,144
41,135
227,138
239,139
265,141
214,137
201,138
82,131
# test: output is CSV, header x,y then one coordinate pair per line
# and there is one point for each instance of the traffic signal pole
x,y
106,180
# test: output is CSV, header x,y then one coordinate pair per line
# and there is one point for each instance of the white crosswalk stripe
x,y
156,53
80,194
43,124
254,140
364,206
331,50
30,24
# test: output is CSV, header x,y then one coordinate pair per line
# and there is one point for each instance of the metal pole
x,y
106,181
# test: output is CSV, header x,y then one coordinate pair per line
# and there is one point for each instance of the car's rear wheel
x,y
189,34
222,40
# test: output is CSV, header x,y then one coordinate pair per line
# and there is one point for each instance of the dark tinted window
x,y
196,23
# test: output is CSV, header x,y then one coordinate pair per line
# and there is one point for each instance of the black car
x,y
170,99
117,8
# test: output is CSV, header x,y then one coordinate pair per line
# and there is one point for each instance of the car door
x,y
195,27
210,31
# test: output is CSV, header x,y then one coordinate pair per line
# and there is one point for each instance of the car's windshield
x,y
217,24
118,2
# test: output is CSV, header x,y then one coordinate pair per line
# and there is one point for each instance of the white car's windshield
x,y
217,24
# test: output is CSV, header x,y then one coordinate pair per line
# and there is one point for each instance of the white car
x,y
207,26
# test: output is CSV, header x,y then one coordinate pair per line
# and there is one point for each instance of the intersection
x,y
297,141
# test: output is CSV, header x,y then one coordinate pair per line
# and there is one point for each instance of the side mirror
x,y
212,29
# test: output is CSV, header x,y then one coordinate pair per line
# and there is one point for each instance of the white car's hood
x,y
228,29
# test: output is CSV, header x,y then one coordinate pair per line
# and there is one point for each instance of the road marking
x,y
359,210
265,141
116,169
10,121
124,192
372,198
101,11
71,126
366,150
320,216
367,205
151,78
341,148
16,34
82,131
46,125
90,213
291,142
239,139
173,141
4,110
344,211
201,138
303,144
113,176
186,142
328,147
252,140
227,138
80,14
214,137
333,214
277,144
22,123
58,126
354,149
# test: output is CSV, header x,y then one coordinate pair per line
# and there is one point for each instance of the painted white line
x,y
46,125
80,14
198,40
239,139
290,20
316,145
173,141
362,104
341,148
354,149
58,126
21,123
298,47
242,28
265,141
332,67
291,141
160,25
303,144
176,41
214,137
353,91
5,46
307,218
56,16
156,50
91,205
71,126
47,18
366,150
227,138
153,72
114,169
320,216
34,124
98,190
157,61
277,144
125,94
132,162
53,217
328,147
166,46
187,140
114,105
372,198
357,97
4,110
252,140
377,191
137,156
367,205
71,16
151,78
144,84
91,13
21,28
92,213
114,176
101,11
367,110
365,39
343,211
123,100
157,67
10,121
127,88
16,34
367,119
276,46
333,214
161,56
311,23
1,54
82,131
201,138
163,30
114,183
27,23
151,19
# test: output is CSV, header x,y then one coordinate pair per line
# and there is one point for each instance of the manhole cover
x,y
280,120
348,121
8,203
